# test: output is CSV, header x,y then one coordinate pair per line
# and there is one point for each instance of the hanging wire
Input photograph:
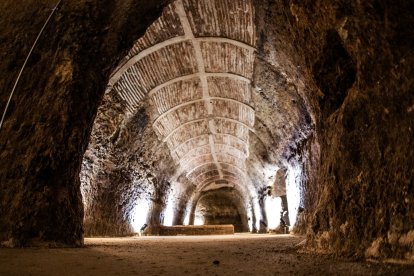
x,y
25,62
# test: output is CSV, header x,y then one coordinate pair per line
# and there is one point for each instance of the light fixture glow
x,y
293,194
187,218
257,212
273,208
139,214
250,217
198,220
169,211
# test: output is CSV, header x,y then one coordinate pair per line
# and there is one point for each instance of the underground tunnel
x,y
283,126
178,121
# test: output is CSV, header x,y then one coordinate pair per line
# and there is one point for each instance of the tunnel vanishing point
x,y
269,115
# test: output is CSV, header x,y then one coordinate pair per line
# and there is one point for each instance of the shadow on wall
x,y
218,207
334,74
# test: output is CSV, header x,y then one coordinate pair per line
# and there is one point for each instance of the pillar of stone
x,y
105,215
156,211
180,211
284,216
254,220
263,218
193,209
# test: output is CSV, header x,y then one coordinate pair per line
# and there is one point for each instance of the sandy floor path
x,y
241,254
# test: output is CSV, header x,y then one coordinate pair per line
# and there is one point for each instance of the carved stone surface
x,y
206,96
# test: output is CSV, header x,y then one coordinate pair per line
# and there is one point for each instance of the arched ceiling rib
x,y
219,140
195,63
207,167
210,176
203,150
184,126
243,109
228,77
229,180
206,158
204,41
202,178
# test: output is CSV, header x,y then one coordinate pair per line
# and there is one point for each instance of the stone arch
x,y
211,200
49,122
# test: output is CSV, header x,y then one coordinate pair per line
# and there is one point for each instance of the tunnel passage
x,y
184,123
230,100
220,207
347,166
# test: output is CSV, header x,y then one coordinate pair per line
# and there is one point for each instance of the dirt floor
x,y
240,254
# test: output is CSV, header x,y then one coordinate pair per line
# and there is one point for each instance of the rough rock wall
x,y
356,62
367,202
124,163
49,121
350,63
183,201
286,112
222,206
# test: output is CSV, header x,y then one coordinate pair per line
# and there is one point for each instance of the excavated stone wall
x,y
223,206
125,163
48,124
356,63
333,101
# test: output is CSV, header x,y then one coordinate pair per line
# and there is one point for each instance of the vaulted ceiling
x,y
195,63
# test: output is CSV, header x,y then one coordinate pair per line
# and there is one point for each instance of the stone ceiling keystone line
x,y
223,134
199,83
199,120
209,163
204,99
201,69
175,40
197,75
190,160
204,146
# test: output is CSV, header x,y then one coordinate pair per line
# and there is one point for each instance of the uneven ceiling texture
x,y
331,89
195,63
195,106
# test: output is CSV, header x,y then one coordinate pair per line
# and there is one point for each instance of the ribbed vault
x,y
195,63
331,105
